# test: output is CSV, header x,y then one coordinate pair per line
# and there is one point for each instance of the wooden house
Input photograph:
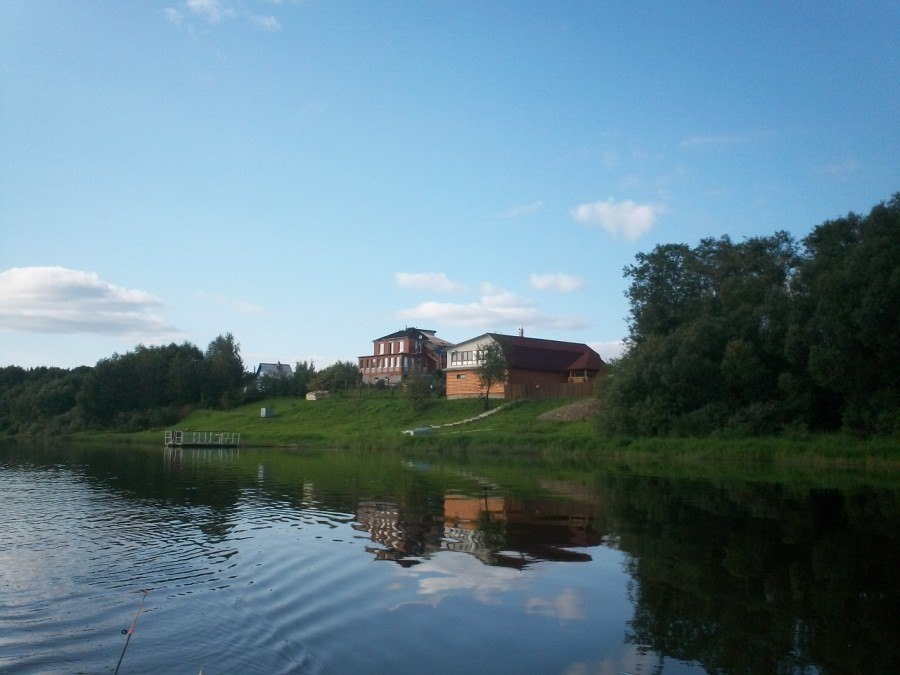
x,y
536,368
407,352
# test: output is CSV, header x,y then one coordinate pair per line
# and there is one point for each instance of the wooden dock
x,y
201,439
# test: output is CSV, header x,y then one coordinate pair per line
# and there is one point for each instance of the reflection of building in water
x,y
405,534
497,530
514,532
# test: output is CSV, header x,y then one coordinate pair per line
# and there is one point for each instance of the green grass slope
x,y
377,423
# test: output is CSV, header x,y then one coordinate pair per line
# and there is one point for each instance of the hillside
x,y
379,422
562,429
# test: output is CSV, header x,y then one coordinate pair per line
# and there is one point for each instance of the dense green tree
x,y
108,391
304,371
752,336
339,376
141,387
492,367
38,399
186,374
847,331
707,330
224,371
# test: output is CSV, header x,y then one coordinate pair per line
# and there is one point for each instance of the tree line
x,y
149,387
765,335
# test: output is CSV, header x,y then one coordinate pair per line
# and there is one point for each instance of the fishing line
x,y
130,631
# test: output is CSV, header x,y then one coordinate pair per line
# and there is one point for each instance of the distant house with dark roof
x,y
274,370
537,368
407,352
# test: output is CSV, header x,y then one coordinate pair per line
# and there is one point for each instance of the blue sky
x,y
312,175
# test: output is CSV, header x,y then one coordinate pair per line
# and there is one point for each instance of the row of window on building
x,y
388,347
460,358
387,363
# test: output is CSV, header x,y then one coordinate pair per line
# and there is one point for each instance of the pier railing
x,y
204,439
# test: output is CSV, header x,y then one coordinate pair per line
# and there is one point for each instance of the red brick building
x,y
407,352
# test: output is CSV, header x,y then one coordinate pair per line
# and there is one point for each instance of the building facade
x,y
394,357
535,367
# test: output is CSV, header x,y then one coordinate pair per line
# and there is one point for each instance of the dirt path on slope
x,y
573,412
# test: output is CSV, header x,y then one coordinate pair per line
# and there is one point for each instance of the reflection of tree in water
x,y
755,580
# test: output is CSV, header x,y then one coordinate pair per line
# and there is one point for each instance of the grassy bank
x,y
377,422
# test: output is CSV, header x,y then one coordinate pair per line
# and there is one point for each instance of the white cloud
x,y
567,606
627,218
450,574
609,350
522,210
496,309
269,23
437,282
60,300
212,11
564,283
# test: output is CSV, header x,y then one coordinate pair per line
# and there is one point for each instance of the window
x,y
463,357
381,348
461,376
400,346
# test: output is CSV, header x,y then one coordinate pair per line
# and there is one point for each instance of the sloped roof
x,y
434,342
548,355
412,333
273,369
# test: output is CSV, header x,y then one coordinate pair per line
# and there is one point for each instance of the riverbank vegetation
x,y
377,421
764,336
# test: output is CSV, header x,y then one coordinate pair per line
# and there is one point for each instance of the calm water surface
x,y
333,562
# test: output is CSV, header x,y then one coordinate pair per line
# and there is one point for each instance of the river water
x,y
278,561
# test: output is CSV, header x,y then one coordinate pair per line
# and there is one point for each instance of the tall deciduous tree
x,y
848,323
492,367
225,370
339,376
304,371
707,329
754,335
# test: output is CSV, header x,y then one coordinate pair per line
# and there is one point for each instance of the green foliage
x,y
417,389
123,391
148,387
37,399
304,371
491,370
849,331
225,371
340,376
754,337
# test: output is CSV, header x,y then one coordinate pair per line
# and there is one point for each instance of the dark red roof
x,y
548,355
